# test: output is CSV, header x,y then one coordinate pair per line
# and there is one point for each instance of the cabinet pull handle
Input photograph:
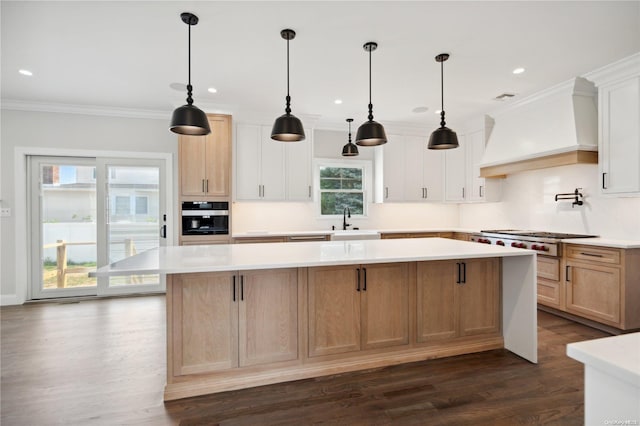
x,y
262,191
463,193
591,254
358,286
241,287
364,270
386,192
566,273
207,185
464,272
309,191
604,186
458,280
203,185
480,191
234,288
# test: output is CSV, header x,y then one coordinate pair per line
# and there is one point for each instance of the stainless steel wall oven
x,y
205,218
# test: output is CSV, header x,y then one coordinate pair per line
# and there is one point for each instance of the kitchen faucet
x,y
346,213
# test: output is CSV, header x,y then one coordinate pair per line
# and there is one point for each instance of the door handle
x,y
364,270
604,186
163,231
566,273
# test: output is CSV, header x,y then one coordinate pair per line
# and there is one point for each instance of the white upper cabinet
x,y
423,170
455,172
270,170
393,169
619,126
479,188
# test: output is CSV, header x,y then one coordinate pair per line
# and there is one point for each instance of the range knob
x,y
544,248
535,247
500,243
514,244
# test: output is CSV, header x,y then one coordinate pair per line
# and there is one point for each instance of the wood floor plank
x,y
102,362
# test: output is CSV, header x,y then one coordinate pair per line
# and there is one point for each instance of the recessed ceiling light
x,y
25,72
420,109
518,70
212,90
338,101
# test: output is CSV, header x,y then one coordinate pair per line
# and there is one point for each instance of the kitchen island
x,y
245,315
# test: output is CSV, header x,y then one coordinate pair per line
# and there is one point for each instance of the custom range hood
x,y
555,127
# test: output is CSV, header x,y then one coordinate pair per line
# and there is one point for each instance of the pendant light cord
x,y
189,87
442,123
349,132
370,117
287,110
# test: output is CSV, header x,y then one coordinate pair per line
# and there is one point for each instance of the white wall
x,y
528,203
24,131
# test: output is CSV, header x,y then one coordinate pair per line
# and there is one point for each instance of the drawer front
x,y
550,294
549,268
593,254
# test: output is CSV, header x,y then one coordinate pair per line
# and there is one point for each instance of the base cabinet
x,y
354,308
233,330
227,320
600,284
457,298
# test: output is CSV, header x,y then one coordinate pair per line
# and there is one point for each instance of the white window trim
x,y
367,183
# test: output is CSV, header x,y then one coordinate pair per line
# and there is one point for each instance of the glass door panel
x,y
132,206
63,198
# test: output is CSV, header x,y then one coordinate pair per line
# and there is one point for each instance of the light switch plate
x,y
5,212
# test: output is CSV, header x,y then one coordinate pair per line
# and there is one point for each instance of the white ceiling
x,y
124,54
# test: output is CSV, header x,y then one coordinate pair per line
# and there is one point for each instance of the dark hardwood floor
x,y
102,362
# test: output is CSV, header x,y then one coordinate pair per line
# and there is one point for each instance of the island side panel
x,y
519,312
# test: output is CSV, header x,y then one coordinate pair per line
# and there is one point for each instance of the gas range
x,y
545,243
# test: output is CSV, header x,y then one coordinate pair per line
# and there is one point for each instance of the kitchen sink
x,y
355,234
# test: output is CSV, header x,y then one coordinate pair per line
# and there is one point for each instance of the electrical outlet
x,y
5,212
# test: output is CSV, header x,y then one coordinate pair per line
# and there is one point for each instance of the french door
x,y
89,212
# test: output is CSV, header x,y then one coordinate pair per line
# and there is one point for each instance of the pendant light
x,y
370,133
287,127
349,150
189,119
444,137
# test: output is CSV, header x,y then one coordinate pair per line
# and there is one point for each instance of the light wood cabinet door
x,y
437,301
457,298
193,153
204,323
480,296
385,305
593,291
218,157
268,317
334,310
205,161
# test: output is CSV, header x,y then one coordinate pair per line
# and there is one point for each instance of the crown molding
x,y
17,105
617,71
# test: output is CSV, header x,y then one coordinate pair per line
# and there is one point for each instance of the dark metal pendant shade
x,y
443,137
370,133
189,119
287,127
349,150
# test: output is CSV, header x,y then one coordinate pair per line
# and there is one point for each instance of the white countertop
x,y
604,242
237,257
617,356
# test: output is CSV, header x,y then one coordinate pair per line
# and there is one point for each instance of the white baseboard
x,y
9,299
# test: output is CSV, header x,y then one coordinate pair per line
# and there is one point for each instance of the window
x,y
142,204
123,205
342,184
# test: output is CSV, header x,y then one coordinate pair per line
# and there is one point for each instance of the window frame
x,y
367,184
